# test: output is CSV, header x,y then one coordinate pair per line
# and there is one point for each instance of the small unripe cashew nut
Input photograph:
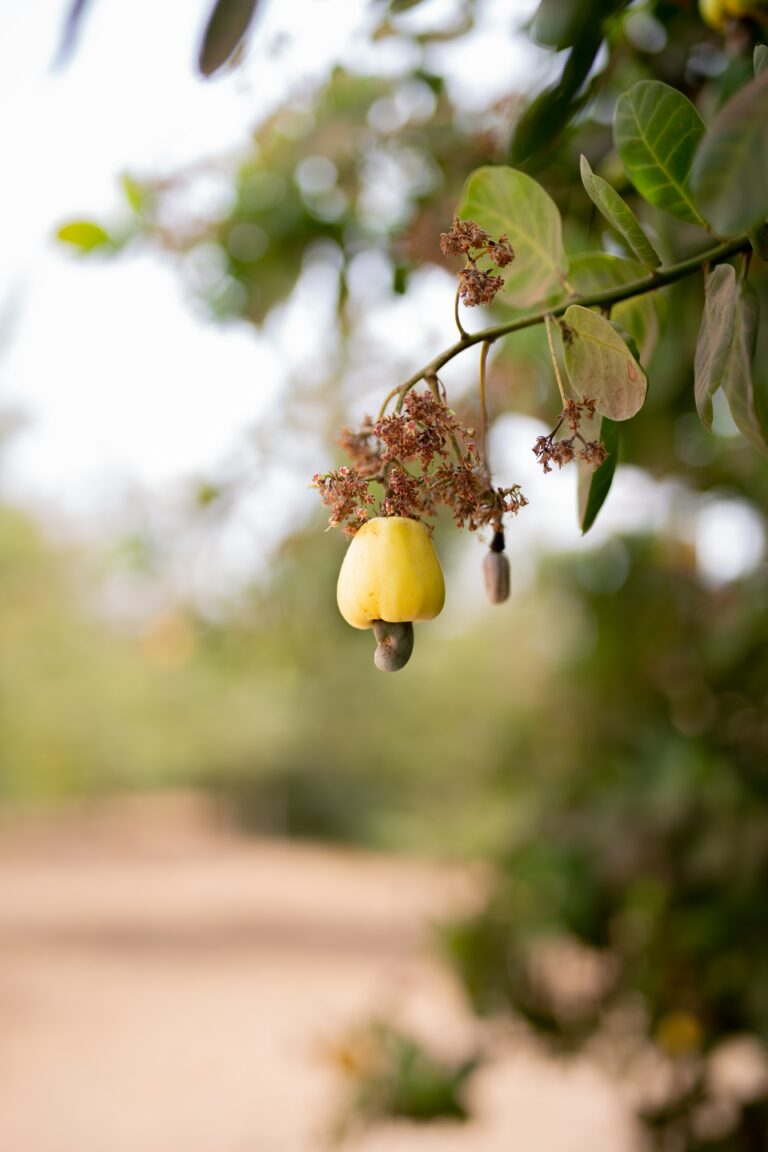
x,y
496,571
394,645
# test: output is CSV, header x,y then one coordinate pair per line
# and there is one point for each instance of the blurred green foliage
x,y
393,1075
275,705
366,159
646,836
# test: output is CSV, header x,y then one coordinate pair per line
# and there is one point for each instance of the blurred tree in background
x,y
604,738
643,836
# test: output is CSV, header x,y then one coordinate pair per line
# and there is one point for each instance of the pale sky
x,y
122,384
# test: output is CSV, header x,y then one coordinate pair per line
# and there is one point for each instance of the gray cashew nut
x,y
394,645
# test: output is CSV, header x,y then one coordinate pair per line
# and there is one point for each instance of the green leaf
x,y
643,316
747,400
628,339
656,131
715,337
539,128
400,276
594,485
503,200
730,172
561,23
135,194
85,235
760,57
225,31
600,365
396,6
619,215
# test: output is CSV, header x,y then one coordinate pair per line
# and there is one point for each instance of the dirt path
x,y
168,987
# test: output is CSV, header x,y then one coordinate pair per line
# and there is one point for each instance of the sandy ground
x,y
167,986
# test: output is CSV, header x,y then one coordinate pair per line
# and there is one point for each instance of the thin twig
x,y
483,409
390,396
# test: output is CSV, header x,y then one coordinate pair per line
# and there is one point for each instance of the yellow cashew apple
x,y
390,572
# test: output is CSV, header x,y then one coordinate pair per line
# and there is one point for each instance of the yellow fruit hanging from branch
x,y
391,576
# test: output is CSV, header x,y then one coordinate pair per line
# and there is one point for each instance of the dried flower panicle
x,y
501,251
362,448
463,237
465,488
445,468
424,430
466,238
575,410
477,505
594,452
549,450
476,287
406,495
345,492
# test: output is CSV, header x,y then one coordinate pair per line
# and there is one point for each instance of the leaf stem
x,y
548,322
656,279
746,260
483,409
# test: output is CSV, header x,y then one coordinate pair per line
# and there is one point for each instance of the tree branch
x,y
656,279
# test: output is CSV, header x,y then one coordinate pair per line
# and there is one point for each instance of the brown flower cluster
x,y
466,489
360,447
426,429
575,410
466,238
345,492
463,237
478,287
406,495
549,450
445,468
